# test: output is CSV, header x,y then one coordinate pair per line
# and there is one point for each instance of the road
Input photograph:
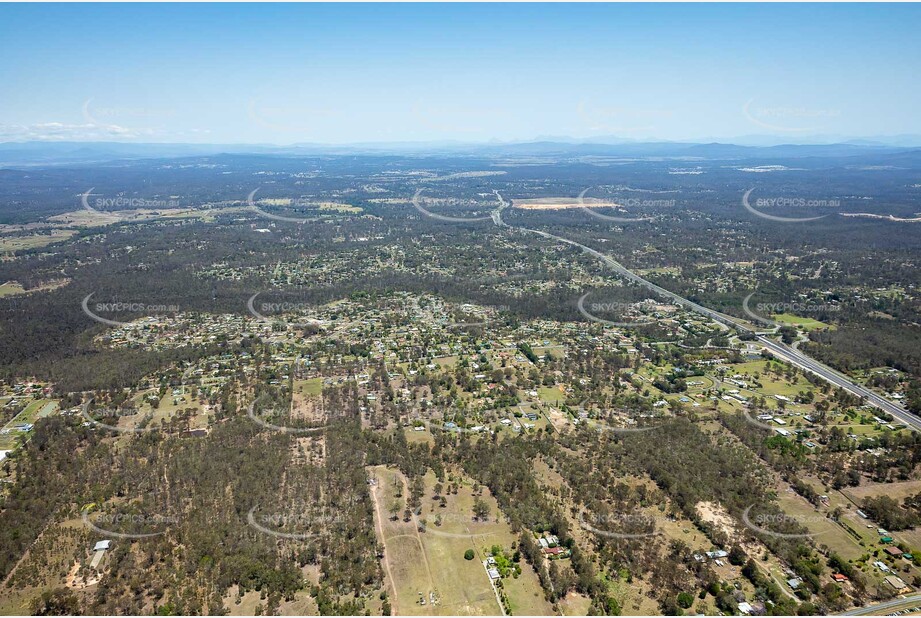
x,y
497,213
779,350
877,610
795,357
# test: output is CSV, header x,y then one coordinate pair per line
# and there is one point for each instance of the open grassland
x,y
562,203
310,387
150,417
418,564
254,604
318,205
33,241
808,324
770,383
88,218
40,408
897,491
825,531
36,409
552,394
13,288
305,400
575,605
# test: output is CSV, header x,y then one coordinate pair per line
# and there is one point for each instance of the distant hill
x,y
16,154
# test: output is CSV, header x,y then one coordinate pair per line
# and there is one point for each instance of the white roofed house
x,y
100,549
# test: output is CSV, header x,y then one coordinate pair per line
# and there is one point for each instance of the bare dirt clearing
x,y
563,203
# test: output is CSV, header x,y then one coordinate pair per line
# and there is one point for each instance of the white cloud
x,y
62,132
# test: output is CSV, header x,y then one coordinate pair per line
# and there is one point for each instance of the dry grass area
x,y
896,491
86,218
562,203
318,204
306,401
420,564
247,604
50,563
471,174
715,514
575,604
12,288
33,241
769,564
390,200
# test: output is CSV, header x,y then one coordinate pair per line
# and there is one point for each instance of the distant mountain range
x,y
61,153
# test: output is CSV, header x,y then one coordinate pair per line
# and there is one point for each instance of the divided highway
x,y
779,350
795,357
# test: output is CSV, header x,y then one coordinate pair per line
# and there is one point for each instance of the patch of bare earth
x,y
562,203
307,408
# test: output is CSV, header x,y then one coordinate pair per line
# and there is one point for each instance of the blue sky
x,y
283,74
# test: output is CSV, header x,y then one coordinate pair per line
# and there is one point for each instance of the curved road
x,y
779,350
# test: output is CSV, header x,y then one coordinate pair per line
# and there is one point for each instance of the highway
x,y
777,349
795,357
878,609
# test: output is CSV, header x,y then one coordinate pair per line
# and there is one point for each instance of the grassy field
x,y
11,288
319,205
168,407
245,605
661,270
771,384
433,561
340,207
825,531
896,491
551,394
33,241
912,537
561,203
36,409
418,437
575,605
9,441
311,386
445,361
40,408
86,218
807,324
